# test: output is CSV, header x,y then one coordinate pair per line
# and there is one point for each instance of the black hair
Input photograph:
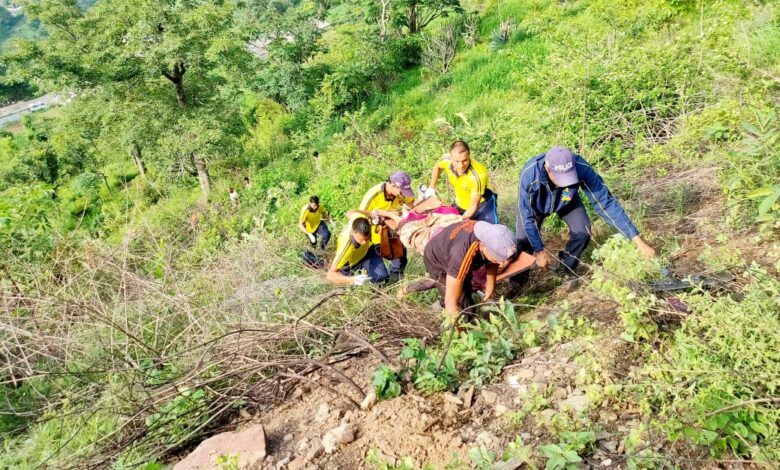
x,y
246,178
316,154
361,227
460,146
314,199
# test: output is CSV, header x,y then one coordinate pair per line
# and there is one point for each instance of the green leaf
x,y
767,204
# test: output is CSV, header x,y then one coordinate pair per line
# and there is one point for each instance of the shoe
x,y
564,272
394,277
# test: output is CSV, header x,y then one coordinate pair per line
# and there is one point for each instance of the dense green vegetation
x,y
121,248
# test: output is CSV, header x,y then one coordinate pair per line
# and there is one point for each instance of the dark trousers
x,y
372,264
579,233
487,211
323,233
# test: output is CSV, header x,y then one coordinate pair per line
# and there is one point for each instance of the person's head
x,y
314,202
230,189
460,157
315,154
399,183
560,166
246,180
496,242
361,230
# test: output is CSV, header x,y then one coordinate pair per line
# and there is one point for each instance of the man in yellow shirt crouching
x,y
356,261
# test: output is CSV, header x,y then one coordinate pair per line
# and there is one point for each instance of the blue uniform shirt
x,y
538,197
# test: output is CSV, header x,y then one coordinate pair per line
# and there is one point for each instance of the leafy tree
x,y
415,15
172,63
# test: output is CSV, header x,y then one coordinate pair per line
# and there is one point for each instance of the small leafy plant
x,y
386,383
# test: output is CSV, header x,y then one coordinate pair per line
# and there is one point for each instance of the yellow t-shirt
x,y
349,252
375,199
474,181
311,219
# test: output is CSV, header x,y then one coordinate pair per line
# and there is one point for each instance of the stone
x,y
547,415
347,417
315,450
533,350
611,446
449,397
500,409
287,437
322,413
560,393
607,417
511,464
606,463
489,396
249,444
525,374
578,403
302,445
548,373
526,436
282,462
297,393
485,438
369,401
297,463
466,395
450,409
338,436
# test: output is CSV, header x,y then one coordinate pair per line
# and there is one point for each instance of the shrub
x,y
716,383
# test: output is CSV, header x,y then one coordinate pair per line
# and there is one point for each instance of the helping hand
x,y
361,279
311,238
646,250
543,259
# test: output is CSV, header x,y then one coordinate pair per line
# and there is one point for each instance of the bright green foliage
x,y
560,458
768,208
479,352
385,383
176,419
25,225
717,383
375,459
622,267
566,454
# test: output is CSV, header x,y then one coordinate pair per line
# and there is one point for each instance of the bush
x,y
716,384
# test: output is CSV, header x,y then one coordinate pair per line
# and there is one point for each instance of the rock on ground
x,y
343,434
248,444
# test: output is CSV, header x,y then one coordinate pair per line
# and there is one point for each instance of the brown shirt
x,y
454,252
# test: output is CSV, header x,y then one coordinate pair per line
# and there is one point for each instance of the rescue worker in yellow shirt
x,y
469,179
356,261
312,222
391,195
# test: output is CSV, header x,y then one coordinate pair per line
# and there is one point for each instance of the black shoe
x,y
394,277
564,272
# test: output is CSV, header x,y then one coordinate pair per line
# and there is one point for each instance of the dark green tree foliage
x,y
415,15
290,37
167,65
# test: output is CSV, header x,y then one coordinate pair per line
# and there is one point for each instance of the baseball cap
x,y
403,181
560,162
497,239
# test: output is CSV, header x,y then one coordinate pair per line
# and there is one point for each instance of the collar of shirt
x,y
384,193
456,173
354,242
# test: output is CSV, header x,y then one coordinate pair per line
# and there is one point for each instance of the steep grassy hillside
x,y
139,318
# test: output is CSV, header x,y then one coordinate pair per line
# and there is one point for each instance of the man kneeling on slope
x,y
355,253
452,256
